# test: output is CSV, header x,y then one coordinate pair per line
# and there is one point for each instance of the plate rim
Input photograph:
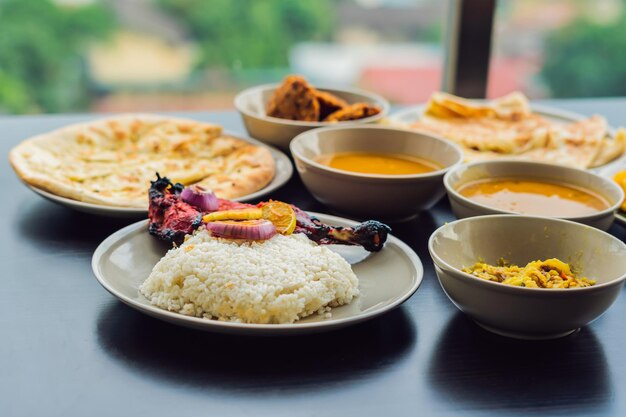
x,y
281,177
227,326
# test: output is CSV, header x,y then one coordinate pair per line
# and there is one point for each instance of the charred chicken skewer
x,y
370,234
171,218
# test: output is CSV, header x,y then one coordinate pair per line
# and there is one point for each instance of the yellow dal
x,y
378,163
527,196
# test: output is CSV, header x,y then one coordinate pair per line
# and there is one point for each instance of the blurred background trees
x,y
41,45
251,34
155,55
587,59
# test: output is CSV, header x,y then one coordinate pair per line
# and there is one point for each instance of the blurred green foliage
x,y
586,59
41,45
247,34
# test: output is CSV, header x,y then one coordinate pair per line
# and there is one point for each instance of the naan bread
x,y
112,161
508,128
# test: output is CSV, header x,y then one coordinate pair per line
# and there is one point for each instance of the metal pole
x,y
468,49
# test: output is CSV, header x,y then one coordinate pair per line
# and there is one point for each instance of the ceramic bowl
x,y
251,104
463,174
529,313
382,197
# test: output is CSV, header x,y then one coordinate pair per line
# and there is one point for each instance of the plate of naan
x,y
512,127
105,166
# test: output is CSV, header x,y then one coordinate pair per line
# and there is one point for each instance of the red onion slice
x,y
247,229
200,197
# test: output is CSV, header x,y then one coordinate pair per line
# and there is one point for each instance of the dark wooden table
x,y
68,348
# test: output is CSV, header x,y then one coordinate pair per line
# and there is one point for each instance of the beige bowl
x,y
383,197
528,313
463,174
278,132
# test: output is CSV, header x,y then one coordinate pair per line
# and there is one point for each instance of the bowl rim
x,y
380,100
439,172
452,191
439,262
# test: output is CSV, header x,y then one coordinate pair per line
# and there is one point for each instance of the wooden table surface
x,y
69,348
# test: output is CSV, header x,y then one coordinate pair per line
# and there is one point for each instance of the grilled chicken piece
x,y
171,219
370,234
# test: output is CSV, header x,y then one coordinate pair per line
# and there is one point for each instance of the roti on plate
x,y
111,161
507,127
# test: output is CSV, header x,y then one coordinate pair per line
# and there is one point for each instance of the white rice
x,y
276,281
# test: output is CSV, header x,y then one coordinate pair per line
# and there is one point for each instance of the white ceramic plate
x,y
386,279
412,114
284,170
609,171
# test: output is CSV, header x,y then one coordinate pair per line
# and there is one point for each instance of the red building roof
x,y
410,85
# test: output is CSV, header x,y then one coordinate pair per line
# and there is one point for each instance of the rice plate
x,y
279,280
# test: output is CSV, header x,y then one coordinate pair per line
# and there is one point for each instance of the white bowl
x,y
464,174
382,197
529,313
251,105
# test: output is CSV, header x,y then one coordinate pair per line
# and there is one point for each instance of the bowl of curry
x,y
528,277
374,171
535,189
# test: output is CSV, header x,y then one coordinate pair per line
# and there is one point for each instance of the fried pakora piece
x,y
295,99
353,112
329,103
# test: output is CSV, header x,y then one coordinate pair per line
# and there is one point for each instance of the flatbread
x,y
490,134
507,127
111,161
611,149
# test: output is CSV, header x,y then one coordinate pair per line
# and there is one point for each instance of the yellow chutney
x,y
378,163
526,196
